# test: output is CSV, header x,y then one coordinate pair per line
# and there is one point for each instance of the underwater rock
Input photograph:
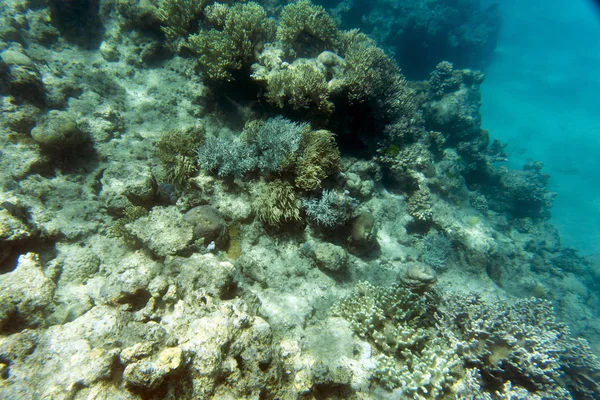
x,y
164,231
363,234
417,276
149,375
20,77
12,231
203,272
327,256
58,131
123,184
69,357
209,225
25,294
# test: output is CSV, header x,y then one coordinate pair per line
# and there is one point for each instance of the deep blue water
x,y
541,96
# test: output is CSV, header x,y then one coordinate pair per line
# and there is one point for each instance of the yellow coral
x,y
320,158
276,203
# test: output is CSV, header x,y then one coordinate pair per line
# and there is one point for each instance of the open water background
x,y
542,97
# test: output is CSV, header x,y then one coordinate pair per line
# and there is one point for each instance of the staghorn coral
x,y
221,51
266,146
276,141
330,210
521,346
276,203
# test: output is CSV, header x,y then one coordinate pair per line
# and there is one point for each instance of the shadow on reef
x,y
78,21
420,34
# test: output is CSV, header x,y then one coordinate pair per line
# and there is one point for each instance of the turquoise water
x,y
541,97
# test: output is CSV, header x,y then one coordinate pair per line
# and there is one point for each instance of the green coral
x,y
240,32
306,29
177,16
374,78
277,203
177,149
301,85
320,158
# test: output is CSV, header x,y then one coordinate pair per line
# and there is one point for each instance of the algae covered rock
x,y
149,374
58,130
163,231
209,225
20,77
327,256
363,236
25,294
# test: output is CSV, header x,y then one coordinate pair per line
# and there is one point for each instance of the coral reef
x,y
188,187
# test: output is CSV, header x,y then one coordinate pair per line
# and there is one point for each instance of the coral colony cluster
x,y
250,200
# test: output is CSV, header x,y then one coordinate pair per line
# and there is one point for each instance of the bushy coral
x,y
265,146
320,158
302,84
276,203
177,151
375,78
177,16
306,29
223,50
330,210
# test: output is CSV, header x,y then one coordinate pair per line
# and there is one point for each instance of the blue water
x,y
541,96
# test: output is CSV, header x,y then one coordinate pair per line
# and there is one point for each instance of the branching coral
x,y
265,146
177,16
520,343
330,210
493,350
375,78
223,50
306,29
